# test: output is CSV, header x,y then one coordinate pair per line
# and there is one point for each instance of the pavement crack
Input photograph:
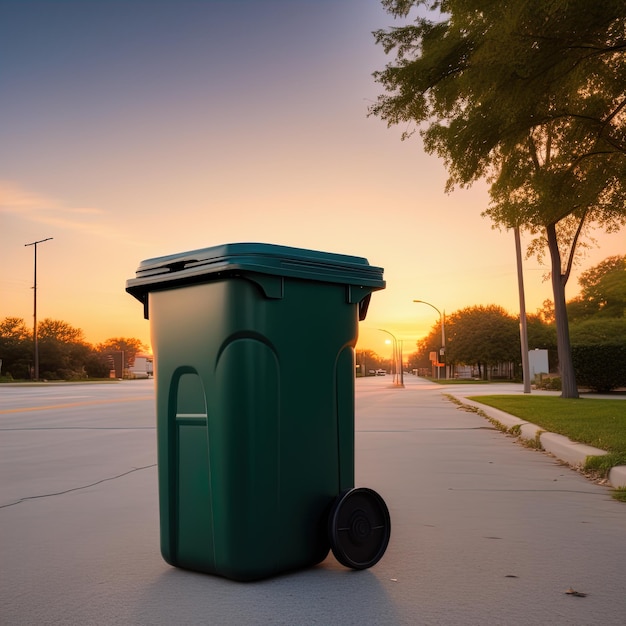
x,y
487,490
60,493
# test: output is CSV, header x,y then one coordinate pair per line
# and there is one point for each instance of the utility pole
x,y
523,327
36,345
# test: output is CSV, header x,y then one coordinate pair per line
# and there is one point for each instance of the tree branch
x,y
572,250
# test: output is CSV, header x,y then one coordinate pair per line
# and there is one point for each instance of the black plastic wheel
x,y
359,528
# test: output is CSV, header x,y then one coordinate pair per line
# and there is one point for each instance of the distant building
x,y
142,368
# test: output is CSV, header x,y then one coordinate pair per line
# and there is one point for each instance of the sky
x,y
133,129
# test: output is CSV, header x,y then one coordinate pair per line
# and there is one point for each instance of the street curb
x,y
564,449
617,476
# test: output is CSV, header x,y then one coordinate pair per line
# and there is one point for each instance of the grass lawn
x,y
598,423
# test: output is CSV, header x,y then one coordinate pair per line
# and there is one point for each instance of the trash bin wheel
x,y
359,528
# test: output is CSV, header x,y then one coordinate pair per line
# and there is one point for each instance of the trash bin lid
x,y
209,264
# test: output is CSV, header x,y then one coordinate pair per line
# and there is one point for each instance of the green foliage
x,y
428,344
473,331
591,279
548,383
16,347
599,352
367,360
482,334
602,465
603,292
63,352
596,422
129,346
542,336
600,367
598,330
619,494
529,96
59,331
97,365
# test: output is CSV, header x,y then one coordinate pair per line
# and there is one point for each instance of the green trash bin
x,y
254,369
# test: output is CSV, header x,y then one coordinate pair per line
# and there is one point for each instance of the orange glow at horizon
x,y
185,133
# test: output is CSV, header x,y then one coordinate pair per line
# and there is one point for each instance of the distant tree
x,y
482,336
578,309
546,312
128,345
529,96
542,336
603,289
16,347
60,331
368,360
62,350
97,365
426,346
14,328
419,360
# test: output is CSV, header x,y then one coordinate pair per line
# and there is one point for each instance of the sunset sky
x,y
134,129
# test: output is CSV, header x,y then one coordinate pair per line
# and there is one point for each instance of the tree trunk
x,y
569,389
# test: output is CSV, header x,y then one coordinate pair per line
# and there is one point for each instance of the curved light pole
x,y
442,318
397,356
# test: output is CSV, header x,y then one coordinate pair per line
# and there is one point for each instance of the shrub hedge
x,y
600,367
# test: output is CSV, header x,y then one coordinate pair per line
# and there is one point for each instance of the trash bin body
x,y
254,370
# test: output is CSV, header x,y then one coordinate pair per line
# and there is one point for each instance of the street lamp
x,y
442,318
36,345
397,357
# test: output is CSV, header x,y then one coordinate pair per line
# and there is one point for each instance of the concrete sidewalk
x,y
571,452
483,532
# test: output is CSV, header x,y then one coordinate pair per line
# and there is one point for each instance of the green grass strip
x,y
620,494
596,422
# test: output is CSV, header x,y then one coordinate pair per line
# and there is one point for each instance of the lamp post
x,y
397,356
35,342
442,318
401,361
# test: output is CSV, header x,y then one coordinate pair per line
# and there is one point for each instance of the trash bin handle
x,y
363,306
361,295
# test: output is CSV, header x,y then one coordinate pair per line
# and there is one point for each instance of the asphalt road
x,y
484,531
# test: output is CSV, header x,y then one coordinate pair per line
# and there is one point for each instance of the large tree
x,y
129,346
482,336
531,97
478,335
62,349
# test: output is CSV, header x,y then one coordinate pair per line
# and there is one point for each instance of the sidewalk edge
x,y
564,449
